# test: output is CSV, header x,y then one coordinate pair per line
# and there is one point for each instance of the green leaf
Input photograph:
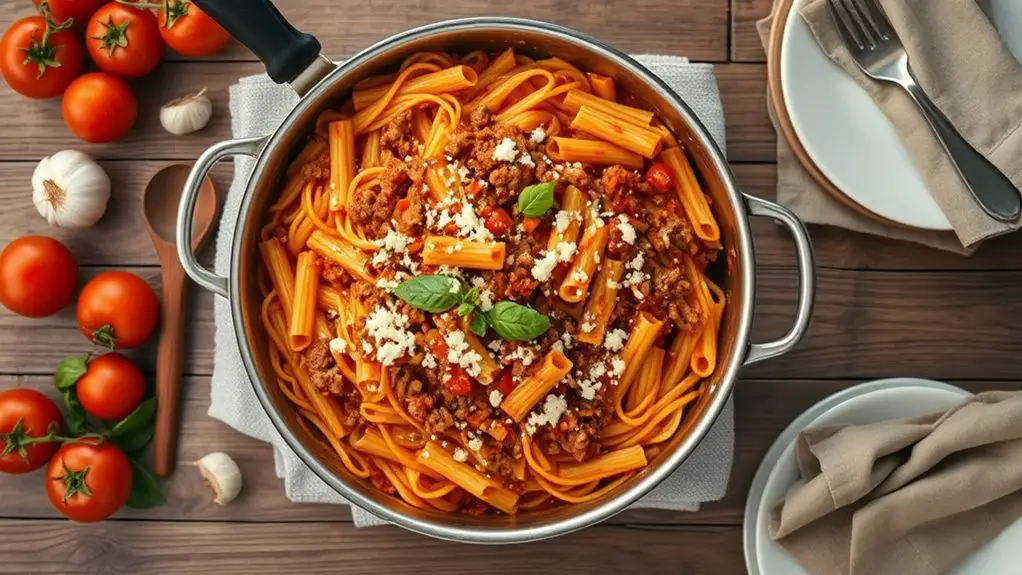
x,y
517,322
478,325
536,200
434,294
77,423
472,296
145,490
465,308
136,420
134,442
70,371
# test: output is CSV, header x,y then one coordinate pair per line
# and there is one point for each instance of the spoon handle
x,y
169,357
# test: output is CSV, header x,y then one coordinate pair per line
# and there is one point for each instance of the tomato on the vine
x,y
111,388
118,309
124,40
37,276
25,415
189,31
78,10
99,108
88,480
39,59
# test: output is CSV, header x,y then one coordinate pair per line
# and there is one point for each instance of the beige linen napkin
x,y
970,75
910,497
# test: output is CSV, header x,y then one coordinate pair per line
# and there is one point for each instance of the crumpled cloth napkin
x,y
257,107
909,497
968,72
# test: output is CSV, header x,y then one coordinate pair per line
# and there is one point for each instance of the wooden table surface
x,y
883,309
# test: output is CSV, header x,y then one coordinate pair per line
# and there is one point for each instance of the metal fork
x,y
878,51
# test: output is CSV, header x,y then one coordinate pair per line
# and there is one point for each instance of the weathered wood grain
x,y
745,43
229,548
743,88
693,28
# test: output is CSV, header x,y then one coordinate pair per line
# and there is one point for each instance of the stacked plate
x,y
866,403
856,155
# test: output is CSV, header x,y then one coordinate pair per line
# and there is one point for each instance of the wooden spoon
x,y
162,196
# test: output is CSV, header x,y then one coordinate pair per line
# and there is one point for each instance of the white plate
x,y
866,403
846,134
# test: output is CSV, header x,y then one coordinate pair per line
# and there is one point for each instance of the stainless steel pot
x,y
294,58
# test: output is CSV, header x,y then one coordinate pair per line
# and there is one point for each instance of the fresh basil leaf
x,y
472,296
465,308
70,371
136,420
134,442
145,490
434,294
478,325
517,322
77,423
536,200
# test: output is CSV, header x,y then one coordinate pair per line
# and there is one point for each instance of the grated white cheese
x,y
387,328
475,444
460,353
338,345
587,327
617,367
429,361
425,454
557,346
587,389
579,275
627,231
526,160
526,355
562,220
496,397
386,284
566,251
566,340
485,300
505,151
537,135
553,408
543,268
460,455
615,340
494,345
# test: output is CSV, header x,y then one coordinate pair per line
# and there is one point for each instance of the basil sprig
x,y
517,322
435,294
536,200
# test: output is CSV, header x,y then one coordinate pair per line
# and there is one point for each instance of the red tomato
x,y
498,222
78,10
111,388
36,65
124,41
506,382
189,30
99,108
37,276
34,415
459,382
659,176
118,309
439,347
88,480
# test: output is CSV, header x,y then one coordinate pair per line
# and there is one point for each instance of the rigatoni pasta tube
x,y
343,254
592,152
603,87
522,399
303,314
606,465
642,141
489,490
601,304
572,203
342,161
577,98
590,252
281,276
488,367
691,195
440,82
644,333
370,440
448,251
329,299
648,380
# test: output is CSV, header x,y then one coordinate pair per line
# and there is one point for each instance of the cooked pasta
x,y
472,293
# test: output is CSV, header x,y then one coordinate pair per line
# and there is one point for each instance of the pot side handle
x,y
190,195
806,279
290,56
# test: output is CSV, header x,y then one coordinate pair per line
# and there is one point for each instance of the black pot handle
x,y
258,24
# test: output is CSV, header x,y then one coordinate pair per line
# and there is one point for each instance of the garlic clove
x,y
187,114
70,189
223,476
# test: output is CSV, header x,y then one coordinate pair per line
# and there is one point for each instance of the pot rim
x,y
617,503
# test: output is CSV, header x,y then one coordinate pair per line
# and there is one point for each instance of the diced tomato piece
x,y
439,347
403,204
506,382
659,176
530,224
474,189
459,383
498,222
416,246
451,229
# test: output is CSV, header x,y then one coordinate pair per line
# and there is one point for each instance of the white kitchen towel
x,y
257,107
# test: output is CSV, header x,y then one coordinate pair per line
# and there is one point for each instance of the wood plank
x,y
745,43
751,137
230,548
693,28
763,409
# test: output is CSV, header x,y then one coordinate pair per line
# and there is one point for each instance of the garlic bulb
x,y
70,189
222,474
188,114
